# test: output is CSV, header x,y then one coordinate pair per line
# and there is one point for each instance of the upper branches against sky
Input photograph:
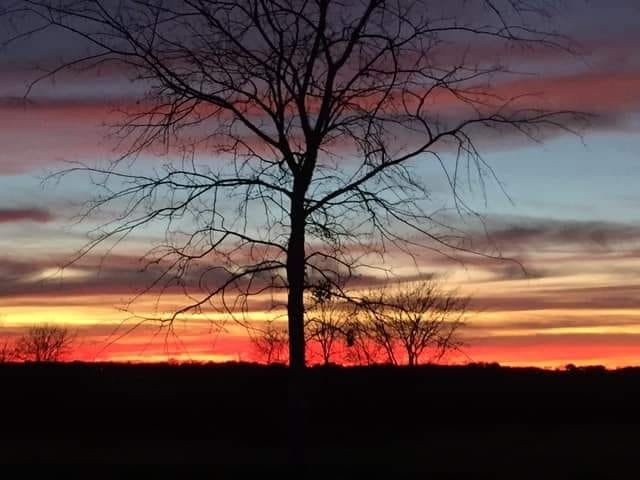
x,y
293,129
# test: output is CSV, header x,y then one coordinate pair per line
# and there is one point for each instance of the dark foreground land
x,y
526,422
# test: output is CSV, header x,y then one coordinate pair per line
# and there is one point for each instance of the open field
x,y
533,423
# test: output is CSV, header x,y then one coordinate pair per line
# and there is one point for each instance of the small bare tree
x,y
362,350
7,351
414,321
327,319
44,343
270,343
325,328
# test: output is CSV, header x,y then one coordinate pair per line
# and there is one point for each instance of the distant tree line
x,y
410,323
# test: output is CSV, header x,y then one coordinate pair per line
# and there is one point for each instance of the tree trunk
x,y
295,278
295,311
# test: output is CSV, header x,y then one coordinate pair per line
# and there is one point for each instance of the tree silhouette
x,y
416,320
362,349
297,127
327,321
270,342
44,343
7,351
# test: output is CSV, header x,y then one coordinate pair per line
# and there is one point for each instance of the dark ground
x,y
523,423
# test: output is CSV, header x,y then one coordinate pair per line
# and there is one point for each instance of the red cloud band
x,y
25,214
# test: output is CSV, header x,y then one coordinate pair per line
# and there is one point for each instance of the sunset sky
x,y
573,221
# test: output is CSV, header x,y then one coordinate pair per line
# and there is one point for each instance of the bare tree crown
x,y
415,322
44,343
270,342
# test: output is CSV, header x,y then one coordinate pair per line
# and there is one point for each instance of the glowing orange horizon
x,y
566,317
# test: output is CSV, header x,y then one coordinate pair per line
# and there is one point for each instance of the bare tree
x,y
415,321
44,343
270,342
362,349
313,115
7,351
327,322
